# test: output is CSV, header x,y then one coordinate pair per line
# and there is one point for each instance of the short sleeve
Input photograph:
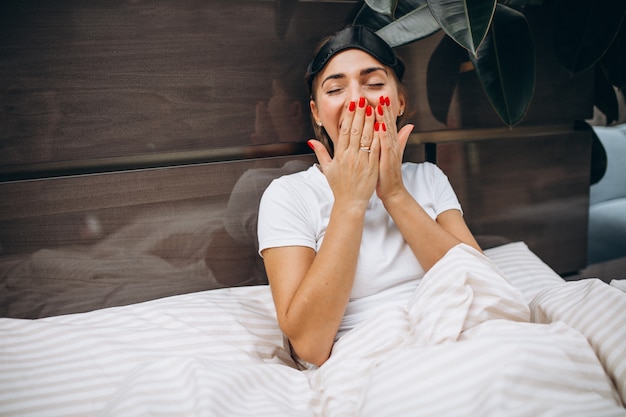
x,y
445,197
285,217
430,188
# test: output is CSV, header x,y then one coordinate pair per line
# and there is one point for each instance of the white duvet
x,y
467,344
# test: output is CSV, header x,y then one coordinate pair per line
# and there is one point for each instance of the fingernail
x,y
362,102
380,110
369,110
352,106
383,127
376,126
387,102
310,144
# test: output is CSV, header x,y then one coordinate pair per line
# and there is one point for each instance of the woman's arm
x,y
429,239
452,221
311,291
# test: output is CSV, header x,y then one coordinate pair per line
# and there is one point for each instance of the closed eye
x,y
333,90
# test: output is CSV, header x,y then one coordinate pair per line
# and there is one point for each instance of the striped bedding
x,y
467,344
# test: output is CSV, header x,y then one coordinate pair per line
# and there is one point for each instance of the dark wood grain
x,y
108,109
51,212
81,81
533,188
87,80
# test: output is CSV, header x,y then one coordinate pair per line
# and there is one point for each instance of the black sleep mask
x,y
357,37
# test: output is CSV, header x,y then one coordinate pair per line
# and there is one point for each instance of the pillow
x,y
524,269
596,310
228,324
619,284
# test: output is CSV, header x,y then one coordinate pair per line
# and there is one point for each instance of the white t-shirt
x,y
295,210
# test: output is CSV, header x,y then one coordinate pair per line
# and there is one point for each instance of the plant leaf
x,y
505,65
467,22
521,3
386,7
604,97
416,25
613,62
375,20
584,30
371,19
442,76
413,21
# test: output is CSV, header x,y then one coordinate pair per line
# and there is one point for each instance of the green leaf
x,y
604,97
584,30
413,21
416,25
386,7
371,19
505,65
614,60
442,76
467,22
521,3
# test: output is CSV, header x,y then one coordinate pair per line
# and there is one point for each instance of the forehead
x,y
350,60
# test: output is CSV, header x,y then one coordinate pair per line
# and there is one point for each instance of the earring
x,y
401,113
319,123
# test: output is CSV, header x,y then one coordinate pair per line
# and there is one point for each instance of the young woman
x,y
357,231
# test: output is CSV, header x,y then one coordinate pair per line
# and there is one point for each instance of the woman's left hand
x,y
392,145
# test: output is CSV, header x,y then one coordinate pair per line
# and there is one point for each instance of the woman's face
x,y
347,77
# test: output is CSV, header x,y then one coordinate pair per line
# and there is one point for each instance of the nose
x,y
358,91
355,92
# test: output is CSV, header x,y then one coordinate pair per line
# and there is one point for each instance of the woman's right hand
x,y
312,289
352,173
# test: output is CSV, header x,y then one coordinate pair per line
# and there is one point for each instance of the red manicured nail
x,y
369,110
362,102
383,127
310,144
380,110
376,126
387,102
382,100
352,106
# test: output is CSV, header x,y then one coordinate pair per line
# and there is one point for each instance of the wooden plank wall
x,y
87,82
533,188
110,96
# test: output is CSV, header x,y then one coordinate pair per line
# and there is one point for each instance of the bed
x,y
169,313
131,163
219,352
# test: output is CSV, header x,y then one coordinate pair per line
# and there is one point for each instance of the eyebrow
x,y
364,72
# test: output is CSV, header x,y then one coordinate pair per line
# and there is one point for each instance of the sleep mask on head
x,y
357,37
